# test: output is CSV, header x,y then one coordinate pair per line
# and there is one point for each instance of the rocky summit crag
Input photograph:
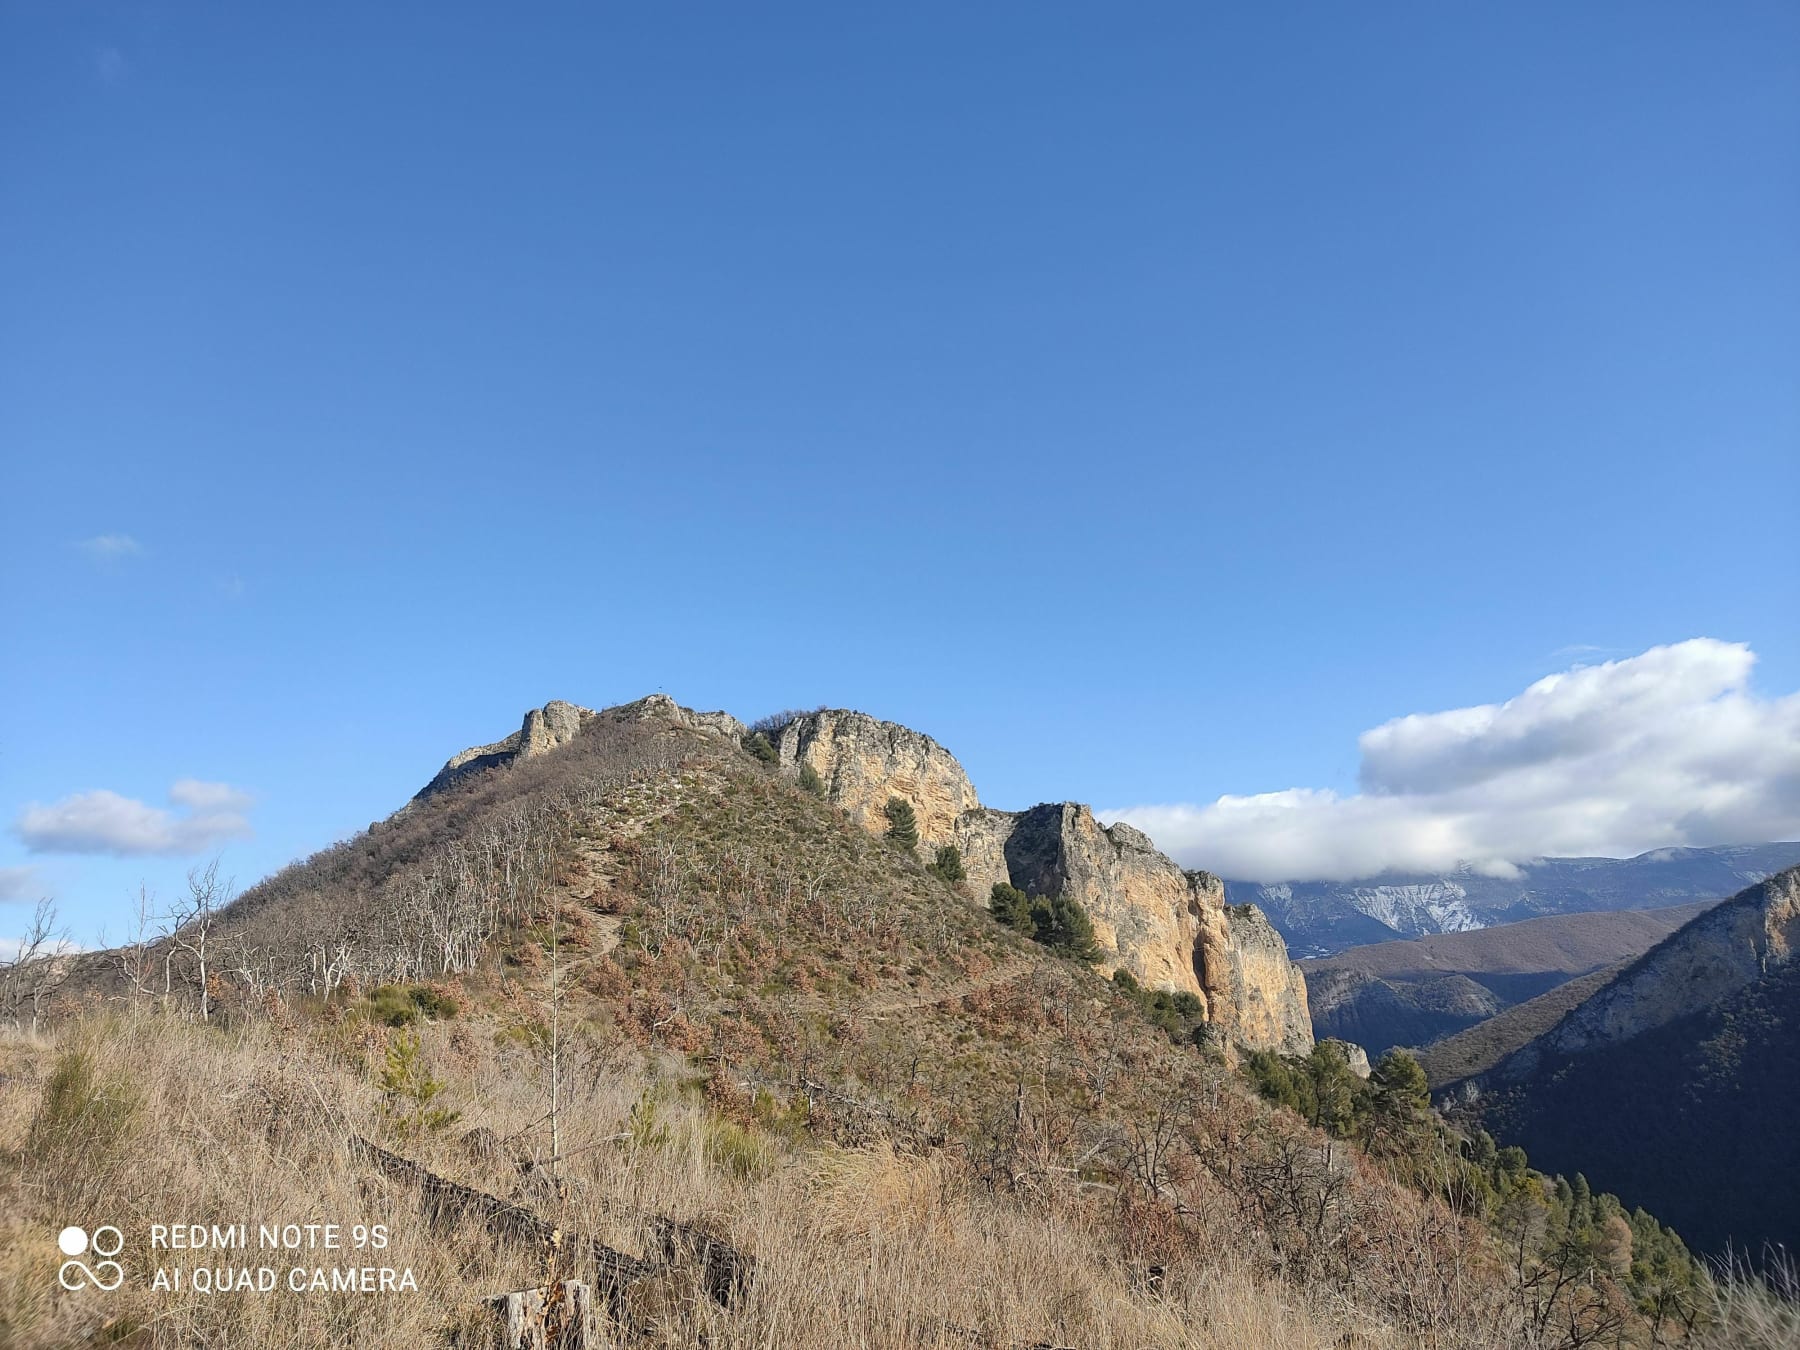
x,y
558,723
1170,929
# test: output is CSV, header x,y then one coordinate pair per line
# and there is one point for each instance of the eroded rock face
x,y
1169,928
980,836
721,724
1717,954
544,729
864,762
1262,993
1144,909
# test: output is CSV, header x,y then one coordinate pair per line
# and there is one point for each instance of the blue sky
x,y
1147,400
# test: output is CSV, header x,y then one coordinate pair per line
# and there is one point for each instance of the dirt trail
x,y
1004,973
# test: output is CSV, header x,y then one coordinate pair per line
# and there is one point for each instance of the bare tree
x,y
192,922
136,956
31,976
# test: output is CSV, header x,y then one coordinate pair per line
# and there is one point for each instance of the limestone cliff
x,y
1170,929
864,762
1147,915
1725,950
1265,992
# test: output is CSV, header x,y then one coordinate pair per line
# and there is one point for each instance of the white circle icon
x,y
72,1241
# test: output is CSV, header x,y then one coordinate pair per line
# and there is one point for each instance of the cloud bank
x,y
1665,748
106,823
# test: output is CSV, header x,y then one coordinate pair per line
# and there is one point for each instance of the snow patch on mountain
x,y
1418,908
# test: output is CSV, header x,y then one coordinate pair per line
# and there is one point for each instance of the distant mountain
x,y
1416,991
1676,1084
1320,918
1480,1047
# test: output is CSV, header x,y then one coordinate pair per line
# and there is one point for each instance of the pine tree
x,y
1011,906
1581,1200
903,825
1064,927
949,865
411,1089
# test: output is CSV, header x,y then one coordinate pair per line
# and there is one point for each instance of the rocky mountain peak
x,y
558,722
1724,950
1170,929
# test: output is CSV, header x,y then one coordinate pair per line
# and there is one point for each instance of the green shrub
x,y
811,782
644,1127
949,865
1060,924
81,1110
1011,906
410,1091
1401,1081
760,749
903,825
743,1153
1180,1014
400,1005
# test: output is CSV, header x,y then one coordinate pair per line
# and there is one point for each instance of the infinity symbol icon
x,y
104,1275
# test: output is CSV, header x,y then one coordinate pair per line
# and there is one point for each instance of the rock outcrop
x,y
661,706
558,723
864,762
1169,928
1264,993
1725,950
1148,915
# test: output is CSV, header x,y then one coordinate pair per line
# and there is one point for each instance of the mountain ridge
x,y
1678,1078
1322,918
1169,928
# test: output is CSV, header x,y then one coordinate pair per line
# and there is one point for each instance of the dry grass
x,y
855,1247
926,1131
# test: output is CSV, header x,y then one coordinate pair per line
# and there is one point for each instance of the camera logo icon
x,y
105,1274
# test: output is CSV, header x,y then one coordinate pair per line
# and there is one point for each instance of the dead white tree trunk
x,y
552,1317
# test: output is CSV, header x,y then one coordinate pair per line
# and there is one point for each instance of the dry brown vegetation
x,y
751,1017
854,1246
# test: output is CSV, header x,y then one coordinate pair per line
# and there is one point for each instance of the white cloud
x,y
110,547
19,883
106,822
1668,747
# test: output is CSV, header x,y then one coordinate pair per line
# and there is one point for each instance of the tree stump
x,y
550,1317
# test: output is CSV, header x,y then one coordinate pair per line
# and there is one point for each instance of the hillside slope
x,y
761,1023
1478,1048
1679,1079
1416,991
